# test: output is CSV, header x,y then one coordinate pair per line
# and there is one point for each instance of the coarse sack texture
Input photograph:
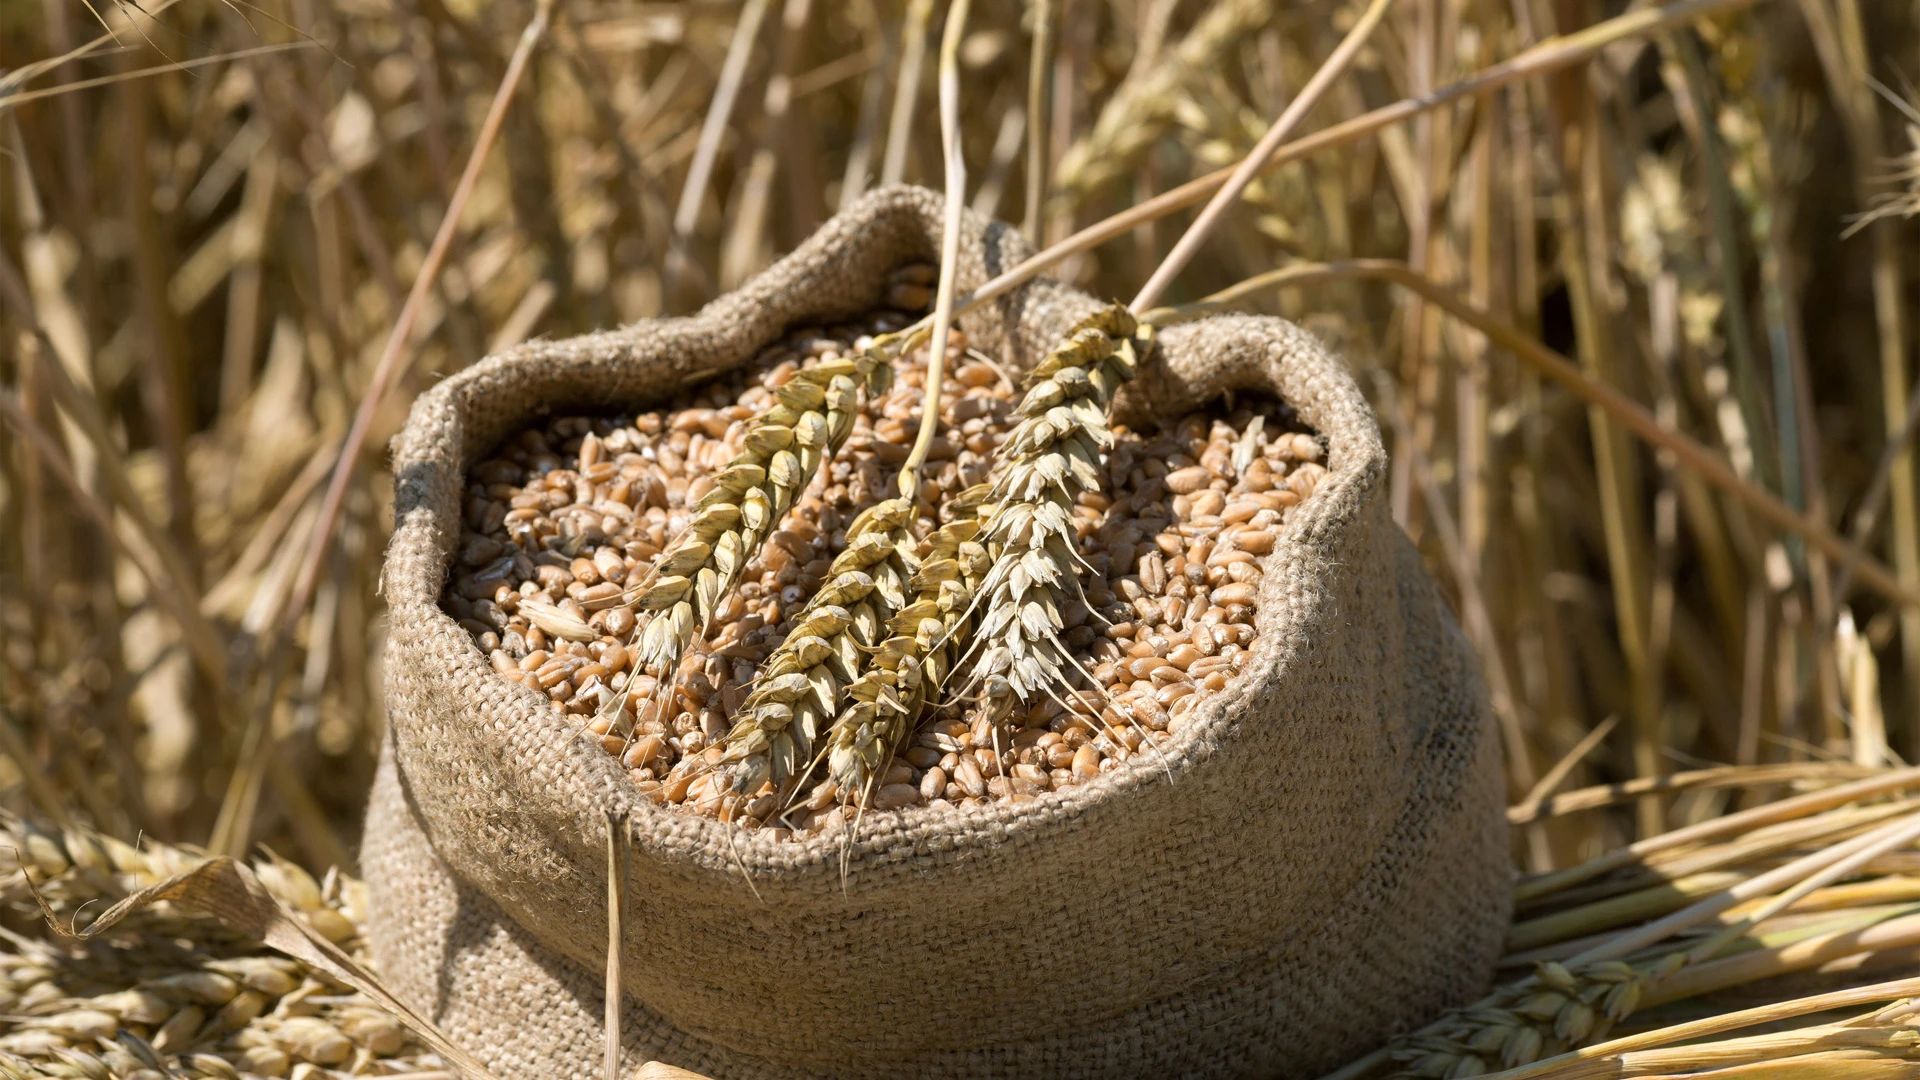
x,y
1319,860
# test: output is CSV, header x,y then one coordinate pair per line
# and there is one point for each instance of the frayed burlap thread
x,y
1318,860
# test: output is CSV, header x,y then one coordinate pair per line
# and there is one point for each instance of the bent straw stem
x,y
1257,161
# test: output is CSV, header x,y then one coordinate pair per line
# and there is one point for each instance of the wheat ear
x,y
1049,459
1558,1009
1151,98
809,420
865,735
799,688
911,666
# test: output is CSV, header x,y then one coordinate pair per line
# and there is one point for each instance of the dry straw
x,y
1576,997
345,237
259,532
170,993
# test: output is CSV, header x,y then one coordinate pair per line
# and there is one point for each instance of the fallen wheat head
x,y
1552,1011
171,994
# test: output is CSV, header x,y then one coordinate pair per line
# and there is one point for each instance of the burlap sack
x,y
1323,862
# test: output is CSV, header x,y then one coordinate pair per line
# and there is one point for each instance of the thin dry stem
x,y
906,93
11,101
1039,117
1726,776
733,72
1258,161
956,174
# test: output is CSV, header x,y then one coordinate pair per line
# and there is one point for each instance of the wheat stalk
x,y
1049,459
1053,455
799,687
810,418
911,666
866,734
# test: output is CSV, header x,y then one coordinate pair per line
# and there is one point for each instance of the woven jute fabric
x,y
1318,861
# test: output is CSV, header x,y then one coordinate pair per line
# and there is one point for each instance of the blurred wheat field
x,y
212,215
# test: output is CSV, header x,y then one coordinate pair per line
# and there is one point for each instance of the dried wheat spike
x,y
910,667
799,687
811,416
1049,459
1146,103
1551,1012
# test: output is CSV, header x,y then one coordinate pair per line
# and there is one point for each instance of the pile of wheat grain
x,y
169,994
573,522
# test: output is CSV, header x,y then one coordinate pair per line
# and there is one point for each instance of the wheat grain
x,y
1186,513
170,994
569,514
1052,456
